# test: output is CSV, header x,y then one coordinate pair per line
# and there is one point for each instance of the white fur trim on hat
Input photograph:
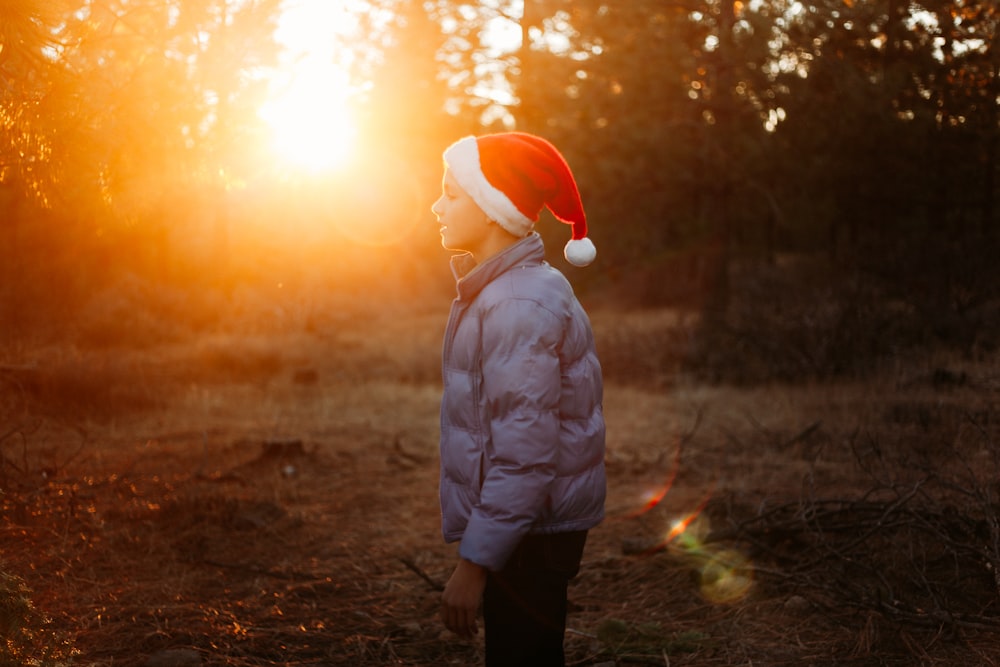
x,y
462,158
580,252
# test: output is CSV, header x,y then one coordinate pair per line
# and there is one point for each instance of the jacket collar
x,y
472,278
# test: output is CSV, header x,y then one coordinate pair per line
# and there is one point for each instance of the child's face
x,y
464,226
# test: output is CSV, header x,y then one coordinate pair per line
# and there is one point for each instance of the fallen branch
x,y
416,569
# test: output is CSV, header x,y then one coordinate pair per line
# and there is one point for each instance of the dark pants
x,y
524,605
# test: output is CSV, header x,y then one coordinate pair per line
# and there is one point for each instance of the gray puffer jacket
x,y
522,428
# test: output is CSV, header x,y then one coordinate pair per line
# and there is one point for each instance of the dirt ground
x,y
279,508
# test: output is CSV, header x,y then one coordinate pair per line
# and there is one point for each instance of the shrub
x,y
27,640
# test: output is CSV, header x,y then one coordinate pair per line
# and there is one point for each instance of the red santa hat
x,y
512,175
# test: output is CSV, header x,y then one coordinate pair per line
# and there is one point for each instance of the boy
x,y
522,428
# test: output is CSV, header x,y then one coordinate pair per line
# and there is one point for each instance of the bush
x,y
27,639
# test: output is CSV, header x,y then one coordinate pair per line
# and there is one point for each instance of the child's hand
x,y
461,598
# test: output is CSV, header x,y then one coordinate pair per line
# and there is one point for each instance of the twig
x,y
417,570
588,635
805,433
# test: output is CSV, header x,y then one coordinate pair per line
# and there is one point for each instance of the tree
x,y
116,112
28,75
32,111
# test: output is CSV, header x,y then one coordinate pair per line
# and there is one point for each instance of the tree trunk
x,y
529,117
989,223
11,260
720,252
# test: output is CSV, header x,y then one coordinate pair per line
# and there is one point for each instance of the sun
x,y
309,118
308,106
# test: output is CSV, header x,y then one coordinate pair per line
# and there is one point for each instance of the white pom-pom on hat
x,y
512,175
580,252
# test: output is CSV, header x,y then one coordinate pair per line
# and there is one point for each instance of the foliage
x,y
26,640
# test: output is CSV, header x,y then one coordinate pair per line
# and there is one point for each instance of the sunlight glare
x,y
308,108
310,119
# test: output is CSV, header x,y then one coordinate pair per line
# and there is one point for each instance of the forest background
x,y
219,358
137,187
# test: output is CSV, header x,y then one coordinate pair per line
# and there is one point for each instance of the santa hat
x,y
512,175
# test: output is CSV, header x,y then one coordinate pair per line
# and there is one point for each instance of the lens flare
x,y
653,498
691,530
725,575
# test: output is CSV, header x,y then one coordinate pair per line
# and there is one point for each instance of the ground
x,y
271,500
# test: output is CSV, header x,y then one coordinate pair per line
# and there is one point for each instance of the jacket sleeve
x,y
521,387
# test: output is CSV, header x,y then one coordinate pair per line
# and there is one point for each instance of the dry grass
x,y
270,499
